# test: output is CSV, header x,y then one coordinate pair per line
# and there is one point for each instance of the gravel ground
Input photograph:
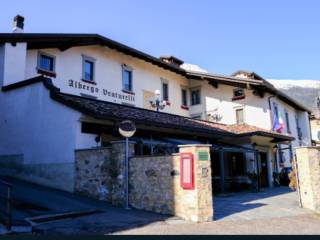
x,y
302,224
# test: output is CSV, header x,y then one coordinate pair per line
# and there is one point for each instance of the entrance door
x,y
263,169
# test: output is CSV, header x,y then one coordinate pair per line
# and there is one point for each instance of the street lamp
x,y
127,129
156,102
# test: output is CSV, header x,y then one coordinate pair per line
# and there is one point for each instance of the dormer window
x,y
238,93
46,64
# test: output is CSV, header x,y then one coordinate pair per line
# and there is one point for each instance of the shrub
x,y
292,176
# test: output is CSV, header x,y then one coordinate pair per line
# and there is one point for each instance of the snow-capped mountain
x,y
193,68
304,91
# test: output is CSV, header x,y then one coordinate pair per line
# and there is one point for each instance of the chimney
x,y
172,60
18,24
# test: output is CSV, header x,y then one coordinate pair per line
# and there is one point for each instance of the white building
x,y
61,91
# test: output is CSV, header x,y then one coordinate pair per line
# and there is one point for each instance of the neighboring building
x,y
315,124
63,92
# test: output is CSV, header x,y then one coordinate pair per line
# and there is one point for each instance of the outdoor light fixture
x,y
156,102
127,129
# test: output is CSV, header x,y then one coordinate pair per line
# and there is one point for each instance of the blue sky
x,y
276,39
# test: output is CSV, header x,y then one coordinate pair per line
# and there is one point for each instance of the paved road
x,y
273,211
302,224
270,203
34,200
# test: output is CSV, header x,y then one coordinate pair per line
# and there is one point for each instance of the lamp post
x,y
127,129
156,102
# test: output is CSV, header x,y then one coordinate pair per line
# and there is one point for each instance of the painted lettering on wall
x,y
96,90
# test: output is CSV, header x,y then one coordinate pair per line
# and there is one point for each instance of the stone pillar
x,y
118,161
197,204
308,163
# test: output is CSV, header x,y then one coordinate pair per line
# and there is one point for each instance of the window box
x,y
184,107
46,72
238,98
168,103
89,81
128,92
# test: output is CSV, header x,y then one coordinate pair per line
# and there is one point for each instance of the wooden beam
x,y
213,84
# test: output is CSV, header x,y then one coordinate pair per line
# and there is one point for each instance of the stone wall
x,y
100,172
152,182
93,173
308,162
155,185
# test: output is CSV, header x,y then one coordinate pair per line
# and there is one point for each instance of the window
x,y
195,96
239,116
126,79
165,90
287,122
88,69
46,64
184,97
299,133
238,93
276,112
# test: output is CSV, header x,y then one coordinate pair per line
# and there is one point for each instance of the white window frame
x,y
183,88
287,119
164,81
200,93
89,59
243,114
40,53
129,69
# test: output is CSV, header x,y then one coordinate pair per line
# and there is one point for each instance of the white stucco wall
x,y
108,75
256,109
43,132
14,63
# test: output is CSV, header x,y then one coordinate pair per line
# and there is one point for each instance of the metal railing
x,y
7,212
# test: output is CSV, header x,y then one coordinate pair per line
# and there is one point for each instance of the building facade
x,y
65,92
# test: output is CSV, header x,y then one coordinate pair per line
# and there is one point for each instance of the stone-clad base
x,y
93,175
308,161
155,185
154,181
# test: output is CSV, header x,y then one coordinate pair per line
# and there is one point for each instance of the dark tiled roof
x,y
117,112
248,130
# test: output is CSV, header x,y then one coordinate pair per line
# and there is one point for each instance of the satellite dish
x,y
127,128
